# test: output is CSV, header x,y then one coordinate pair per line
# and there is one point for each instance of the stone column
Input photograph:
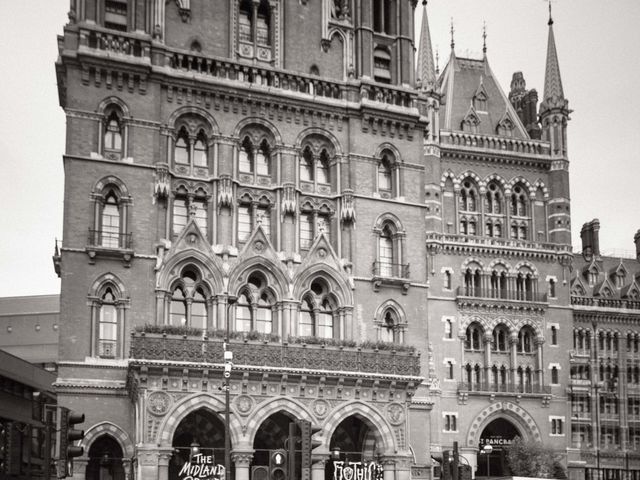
x,y
318,466
79,468
164,457
389,469
147,462
403,468
513,350
539,364
242,462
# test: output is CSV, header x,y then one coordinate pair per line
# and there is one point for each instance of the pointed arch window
x,y
500,338
255,306
108,307
191,148
200,151
525,340
110,222
243,314
390,327
520,213
385,252
181,150
473,337
384,175
246,160
113,137
322,168
108,326
187,304
306,166
262,159
315,168
178,312
468,209
318,313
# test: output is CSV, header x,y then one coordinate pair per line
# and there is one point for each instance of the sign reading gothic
x,y
357,471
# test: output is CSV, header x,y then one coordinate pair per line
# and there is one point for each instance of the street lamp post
x,y
228,357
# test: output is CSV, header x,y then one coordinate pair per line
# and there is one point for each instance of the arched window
x,y
243,314
448,329
110,222
249,216
500,338
468,208
390,330
520,213
254,309
473,282
200,151
255,29
108,326
385,252
525,340
473,338
384,175
262,159
245,21
317,316
188,301
113,137
181,151
246,160
306,166
178,312
322,168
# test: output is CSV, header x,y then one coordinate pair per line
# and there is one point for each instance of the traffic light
x,y
308,443
66,434
278,465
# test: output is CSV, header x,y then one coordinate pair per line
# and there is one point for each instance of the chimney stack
x,y
590,239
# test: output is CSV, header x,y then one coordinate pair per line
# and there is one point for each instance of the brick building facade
x,y
389,246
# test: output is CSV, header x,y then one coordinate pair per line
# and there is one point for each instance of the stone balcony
x,y
259,354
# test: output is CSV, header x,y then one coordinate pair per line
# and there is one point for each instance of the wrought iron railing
x,y
145,346
505,388
499,294
390,270
106,239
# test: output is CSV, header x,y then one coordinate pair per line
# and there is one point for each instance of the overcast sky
x,y
598,50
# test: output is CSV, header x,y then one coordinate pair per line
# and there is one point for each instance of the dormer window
x,y
480,102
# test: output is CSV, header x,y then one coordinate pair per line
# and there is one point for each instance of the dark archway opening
x,y
202,428
352,441
499,434
105,460
273,435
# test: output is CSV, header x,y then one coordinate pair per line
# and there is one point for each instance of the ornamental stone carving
x,y
395,413
320,408
244,404
159,403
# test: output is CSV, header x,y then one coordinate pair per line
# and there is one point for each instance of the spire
x,y
552,80
453,41
425,70
484,38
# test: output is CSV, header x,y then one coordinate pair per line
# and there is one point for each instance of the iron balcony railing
x,y
504,388
390,270
105,239
501,294
145,346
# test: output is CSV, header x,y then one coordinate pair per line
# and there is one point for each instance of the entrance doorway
x,y
494,440
202,430
105,460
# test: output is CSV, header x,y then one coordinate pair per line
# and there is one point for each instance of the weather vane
x,y
453,43
484,37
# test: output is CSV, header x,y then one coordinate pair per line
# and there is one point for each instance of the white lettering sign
x,y
357,471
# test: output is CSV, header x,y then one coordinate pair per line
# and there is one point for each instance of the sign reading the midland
x,y
201,467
